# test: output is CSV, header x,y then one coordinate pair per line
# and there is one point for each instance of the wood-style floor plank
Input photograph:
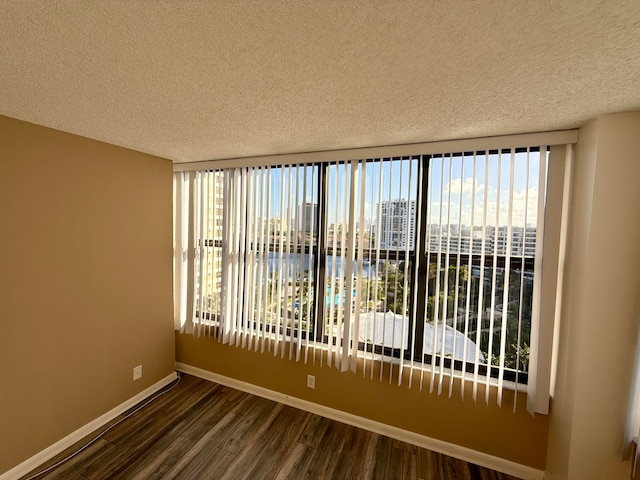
x,y
201,430
314,431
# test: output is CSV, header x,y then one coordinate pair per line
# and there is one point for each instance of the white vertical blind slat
x,y
278,275
457,279
414,292
238,264
377,256
214,324
270,287
320,226
256,260
303,266
436,310
389,229
533,404
248,259
429,206
260,276
302,233
344,227
231,257
210,291
397,231
245,241
266,274
522,278
406,276
191,257
241,236
445,288
207,288
227,260
562,252
289,272
202,236
298,248
328,322
181,232
196,254
369,292
494,281
467,308
350,257
313,233
550,297
506,284
483,252
180,229
355,335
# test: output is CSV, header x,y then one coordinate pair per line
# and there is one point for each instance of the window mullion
x,y
320,254
417,259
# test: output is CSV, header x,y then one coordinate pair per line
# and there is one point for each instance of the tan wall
x,y
583,174
85,282
601,312
517,437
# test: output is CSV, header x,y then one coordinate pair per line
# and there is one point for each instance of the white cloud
x,y
458,203
467,187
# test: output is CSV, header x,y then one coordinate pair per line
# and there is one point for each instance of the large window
x,y
426,264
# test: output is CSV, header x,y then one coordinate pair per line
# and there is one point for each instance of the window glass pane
x,y
482,215
384,200
287,225
257,236
208,265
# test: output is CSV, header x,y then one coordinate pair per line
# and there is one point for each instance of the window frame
x,y
323,160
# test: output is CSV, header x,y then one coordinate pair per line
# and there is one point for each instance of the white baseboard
x,y
61,445
446,448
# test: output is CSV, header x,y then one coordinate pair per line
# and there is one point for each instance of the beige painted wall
x,y
517,437
601,312
85,282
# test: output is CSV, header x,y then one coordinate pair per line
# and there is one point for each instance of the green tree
x,y
391,287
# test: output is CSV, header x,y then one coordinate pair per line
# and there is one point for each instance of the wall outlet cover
x,y
311,381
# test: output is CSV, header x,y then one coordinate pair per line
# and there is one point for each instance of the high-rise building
x,y
212,256
307,217
397,224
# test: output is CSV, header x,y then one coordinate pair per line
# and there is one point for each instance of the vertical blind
x,y
268,271
417,269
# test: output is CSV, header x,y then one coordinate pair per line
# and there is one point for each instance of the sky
x,y
455,189
454,185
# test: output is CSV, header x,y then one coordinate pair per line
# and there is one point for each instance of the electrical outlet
x,y
311,381
137,372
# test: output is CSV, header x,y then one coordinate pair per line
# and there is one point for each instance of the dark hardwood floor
x,y
202,430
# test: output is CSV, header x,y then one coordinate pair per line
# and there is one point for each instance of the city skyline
x,y
501,189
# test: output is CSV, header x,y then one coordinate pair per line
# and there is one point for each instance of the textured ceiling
x,y
205,80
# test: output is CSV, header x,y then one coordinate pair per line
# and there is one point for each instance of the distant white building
x,y
211,260
520,240
397,224
386,329
307,217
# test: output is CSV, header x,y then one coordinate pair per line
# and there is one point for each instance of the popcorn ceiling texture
x,y
206,80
